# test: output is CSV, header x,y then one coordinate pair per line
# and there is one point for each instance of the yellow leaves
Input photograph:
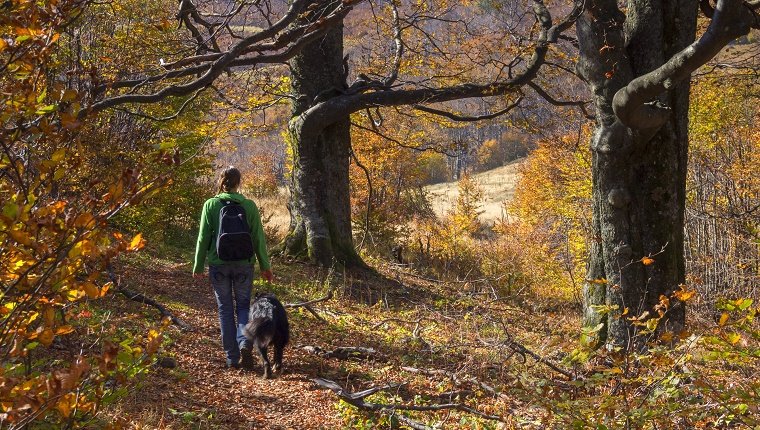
x,y
154,341
723,319
733,338
66,404
82,248
73,295
91,290
137,243
58,155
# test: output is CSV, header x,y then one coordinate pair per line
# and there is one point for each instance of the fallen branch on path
x,y
344,352
141,298
518,348
307,304
539,359
459,381
165,313
359,401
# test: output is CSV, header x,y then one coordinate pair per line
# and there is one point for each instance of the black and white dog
x,y
268,325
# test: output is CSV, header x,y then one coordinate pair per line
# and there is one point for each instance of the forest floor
x,y
459,330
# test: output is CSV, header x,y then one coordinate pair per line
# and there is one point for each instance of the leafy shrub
x,y
55,242
706,380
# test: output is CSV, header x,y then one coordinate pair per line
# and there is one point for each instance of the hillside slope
x,y
498,186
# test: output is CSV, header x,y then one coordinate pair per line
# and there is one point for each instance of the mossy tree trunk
x,y
637,66
320,206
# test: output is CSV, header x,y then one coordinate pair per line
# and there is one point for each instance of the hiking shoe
x,y
233,364
246,357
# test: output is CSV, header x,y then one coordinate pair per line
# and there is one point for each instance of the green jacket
x,y
210,224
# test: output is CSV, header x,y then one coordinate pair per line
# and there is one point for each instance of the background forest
x,y
445,281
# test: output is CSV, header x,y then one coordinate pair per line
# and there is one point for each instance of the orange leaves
x,y
647,261
84,220
684,294
108,357
21,237
154,341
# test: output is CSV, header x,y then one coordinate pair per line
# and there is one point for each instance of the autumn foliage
x,y
55,240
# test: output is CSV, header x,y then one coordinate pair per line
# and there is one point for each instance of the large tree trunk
x,y
639,175
320,206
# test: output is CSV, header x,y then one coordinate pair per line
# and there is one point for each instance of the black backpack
x,y
233,241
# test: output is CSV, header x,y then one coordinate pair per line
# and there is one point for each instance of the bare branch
x,y
546,96
329,111
168,117
455,117
234,57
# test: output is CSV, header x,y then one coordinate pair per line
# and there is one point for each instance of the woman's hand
x,y
267,275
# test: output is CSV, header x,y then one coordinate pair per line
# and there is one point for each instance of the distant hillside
x,y
498,186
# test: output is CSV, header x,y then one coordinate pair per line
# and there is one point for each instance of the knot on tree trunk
x,y
619,198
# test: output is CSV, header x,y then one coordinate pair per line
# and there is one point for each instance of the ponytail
x,y
229,179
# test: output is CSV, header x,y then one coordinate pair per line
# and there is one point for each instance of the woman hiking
x,y
232,237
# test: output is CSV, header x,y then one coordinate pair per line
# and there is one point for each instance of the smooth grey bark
x,y
637,67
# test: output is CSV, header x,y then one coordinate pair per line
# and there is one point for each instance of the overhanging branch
x,y
635,105
213,65
546,96
329,111
462,118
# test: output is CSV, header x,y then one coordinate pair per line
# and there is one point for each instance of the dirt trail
x,y
202,393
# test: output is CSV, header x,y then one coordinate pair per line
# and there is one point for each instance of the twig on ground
x,y
522,350
306,304
165,313
141,298
344,352
457,380
358,400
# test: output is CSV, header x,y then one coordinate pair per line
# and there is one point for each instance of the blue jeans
x,y
232,287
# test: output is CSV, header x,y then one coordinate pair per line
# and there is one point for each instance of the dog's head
x,y
263,295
